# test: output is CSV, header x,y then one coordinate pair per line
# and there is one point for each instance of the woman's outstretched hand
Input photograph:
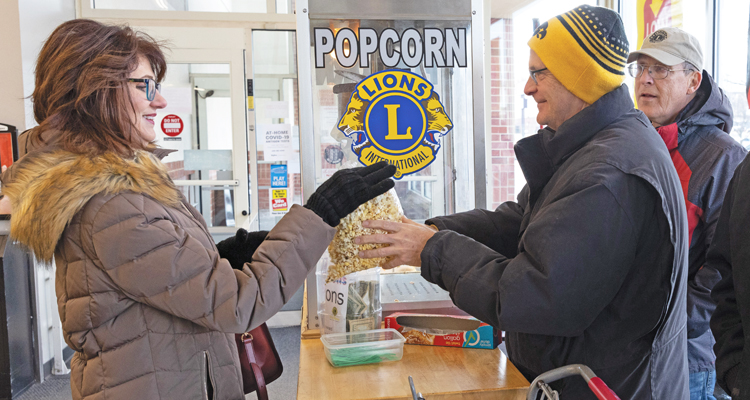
x,y
347,189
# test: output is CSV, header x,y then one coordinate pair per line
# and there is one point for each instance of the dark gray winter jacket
x,y
590,265
705,157
730,254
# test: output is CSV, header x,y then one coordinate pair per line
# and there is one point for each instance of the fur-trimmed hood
x,y
48,188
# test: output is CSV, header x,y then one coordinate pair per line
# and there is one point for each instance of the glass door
x,y
204,125
276,113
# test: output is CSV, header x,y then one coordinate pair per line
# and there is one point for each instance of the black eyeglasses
x,y
656,71
533,74
150,88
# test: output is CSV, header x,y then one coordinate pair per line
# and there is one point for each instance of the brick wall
x,y
502,123
176,170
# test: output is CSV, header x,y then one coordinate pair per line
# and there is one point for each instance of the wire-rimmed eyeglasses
x,y
656,71
150,88
533,74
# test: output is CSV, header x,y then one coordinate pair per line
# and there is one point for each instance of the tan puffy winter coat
x,y
145,300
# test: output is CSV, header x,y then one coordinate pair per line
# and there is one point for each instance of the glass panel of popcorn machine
x,y
396,90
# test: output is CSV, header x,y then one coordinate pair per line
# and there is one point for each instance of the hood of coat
x,y
49,188
710,107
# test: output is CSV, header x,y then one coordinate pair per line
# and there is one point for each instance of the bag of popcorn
x,y
343,250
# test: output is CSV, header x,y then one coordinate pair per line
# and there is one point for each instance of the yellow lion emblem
x,y
352,123
395,116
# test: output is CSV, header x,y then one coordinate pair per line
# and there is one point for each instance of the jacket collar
x,y
668,134
710,107
160,153
542,154
49,188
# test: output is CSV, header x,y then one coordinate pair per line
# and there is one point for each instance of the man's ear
x,y
696,78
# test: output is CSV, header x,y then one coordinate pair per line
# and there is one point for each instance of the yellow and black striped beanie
x,y
585,49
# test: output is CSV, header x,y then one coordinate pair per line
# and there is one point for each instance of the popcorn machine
x,y
400,81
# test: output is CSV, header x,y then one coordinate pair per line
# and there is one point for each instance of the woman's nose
x,y
159,101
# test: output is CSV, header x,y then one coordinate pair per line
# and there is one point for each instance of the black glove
x,y
239,248
347,189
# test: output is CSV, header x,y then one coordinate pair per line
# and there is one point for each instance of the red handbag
x,y
259,360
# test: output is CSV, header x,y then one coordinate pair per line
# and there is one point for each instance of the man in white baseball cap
x,y
693,117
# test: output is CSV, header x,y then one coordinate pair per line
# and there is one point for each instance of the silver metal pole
x,y
306,137
477,76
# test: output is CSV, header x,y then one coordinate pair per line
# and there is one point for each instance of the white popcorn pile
x,y
344,251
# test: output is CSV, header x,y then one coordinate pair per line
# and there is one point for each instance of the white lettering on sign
x,y
172,125
436,47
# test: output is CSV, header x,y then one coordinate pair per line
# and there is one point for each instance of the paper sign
x,y
277,109
279,201
293,165
329,117
277,141
179,99
334,308
279,176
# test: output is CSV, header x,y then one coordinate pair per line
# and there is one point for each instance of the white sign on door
x,y
277,141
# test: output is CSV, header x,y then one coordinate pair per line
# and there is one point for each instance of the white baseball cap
x,y
671,46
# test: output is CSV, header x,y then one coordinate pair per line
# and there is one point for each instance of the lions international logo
x,y
395,116
658,36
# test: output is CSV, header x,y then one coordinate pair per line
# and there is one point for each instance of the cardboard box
x,y
431,330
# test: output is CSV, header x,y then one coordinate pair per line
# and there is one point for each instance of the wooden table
x,y
439,373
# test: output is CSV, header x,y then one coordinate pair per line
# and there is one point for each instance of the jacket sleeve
x,y
498,230
558,277
699,303
726,322
153,260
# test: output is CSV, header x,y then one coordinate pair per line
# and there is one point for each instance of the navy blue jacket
x,y
705,157
590,265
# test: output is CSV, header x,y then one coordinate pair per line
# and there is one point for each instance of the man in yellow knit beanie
x,y
585,49
589,266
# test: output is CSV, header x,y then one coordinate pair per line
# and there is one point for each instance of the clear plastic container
x,y
348,304
365,347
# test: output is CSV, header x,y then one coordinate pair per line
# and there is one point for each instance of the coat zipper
x,y
210,375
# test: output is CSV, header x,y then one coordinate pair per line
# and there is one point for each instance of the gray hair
x,y
688,68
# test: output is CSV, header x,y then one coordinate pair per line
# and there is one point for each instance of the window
x,y
512,114
733,73
221,6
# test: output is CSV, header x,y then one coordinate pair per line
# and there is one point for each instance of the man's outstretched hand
x,y
405,240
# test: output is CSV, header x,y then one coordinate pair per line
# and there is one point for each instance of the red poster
x,y
655,14
6,149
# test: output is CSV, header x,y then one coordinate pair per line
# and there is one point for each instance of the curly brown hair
x,y
82,92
